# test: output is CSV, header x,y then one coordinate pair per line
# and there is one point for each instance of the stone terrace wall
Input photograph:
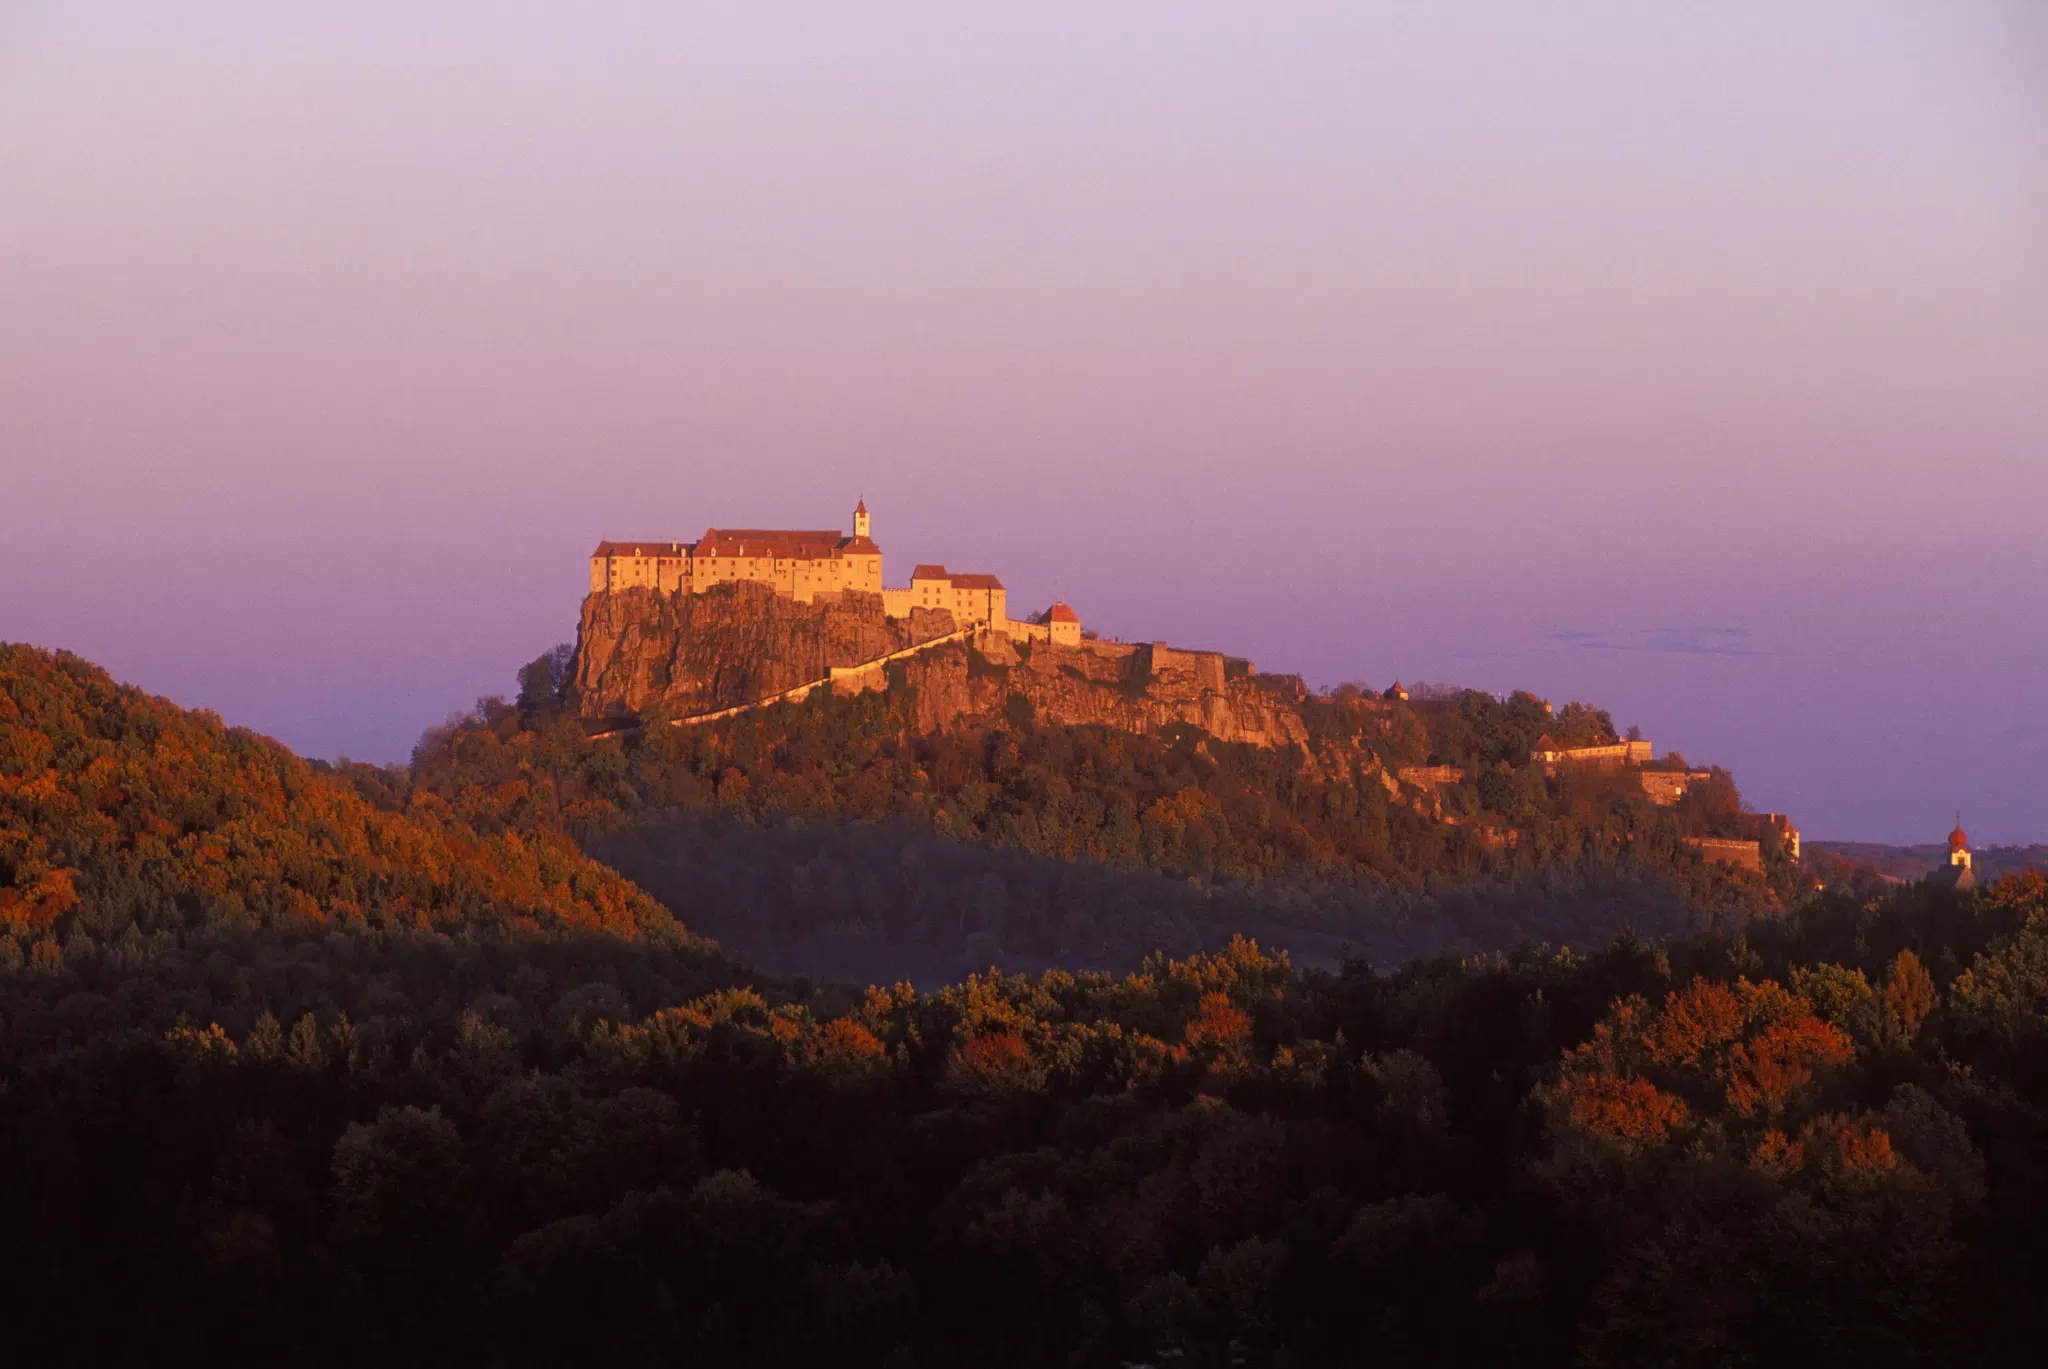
x,y
1739,855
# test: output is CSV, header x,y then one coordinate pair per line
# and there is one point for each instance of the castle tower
x,y
860,518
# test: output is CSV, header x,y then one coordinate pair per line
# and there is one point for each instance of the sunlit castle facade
x,y
970,598
801,564
811,565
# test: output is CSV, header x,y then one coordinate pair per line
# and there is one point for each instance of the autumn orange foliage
x,y
108,793
1634,1113
1848,1147
1219,1025
993,1062
1710,1051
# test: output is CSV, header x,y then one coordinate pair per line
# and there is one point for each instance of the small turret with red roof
x,y
1062,623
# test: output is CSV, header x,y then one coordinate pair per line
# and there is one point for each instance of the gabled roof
x,y
958,579
1060,613
642,549
784,543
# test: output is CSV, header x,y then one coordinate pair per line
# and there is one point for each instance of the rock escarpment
x,y
640,649
1138,688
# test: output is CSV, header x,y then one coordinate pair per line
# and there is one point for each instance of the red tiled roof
x,y
1060,613
784,543
959,579
642,549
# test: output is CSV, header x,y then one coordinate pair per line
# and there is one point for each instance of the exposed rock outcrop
x,y
689,654
1138,688
692,653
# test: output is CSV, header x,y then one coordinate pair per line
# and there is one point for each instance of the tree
x,y
542,679
401,1184
1580,724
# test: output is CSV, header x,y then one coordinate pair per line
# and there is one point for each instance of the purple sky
x,y
1690,360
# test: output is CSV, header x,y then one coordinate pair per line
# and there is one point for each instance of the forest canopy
x,y
380,1066
833,838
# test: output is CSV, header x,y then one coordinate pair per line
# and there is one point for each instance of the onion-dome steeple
x,y
1958,870
1957,874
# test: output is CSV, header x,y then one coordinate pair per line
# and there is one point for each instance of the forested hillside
x,y
155,863
877,902
1913,862
837,838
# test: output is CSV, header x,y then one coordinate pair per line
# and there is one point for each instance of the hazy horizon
x,y
1690,364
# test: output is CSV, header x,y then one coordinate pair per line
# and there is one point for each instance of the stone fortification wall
x,y
1615,753
1204,669
1739,855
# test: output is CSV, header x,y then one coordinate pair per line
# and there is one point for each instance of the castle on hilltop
x,y
820,565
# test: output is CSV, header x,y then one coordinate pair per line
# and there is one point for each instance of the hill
x,y
1141,798
1914,862
643,653
140,843
835,838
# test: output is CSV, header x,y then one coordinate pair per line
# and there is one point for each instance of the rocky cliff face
x,y
697,653
692,653
1109,684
